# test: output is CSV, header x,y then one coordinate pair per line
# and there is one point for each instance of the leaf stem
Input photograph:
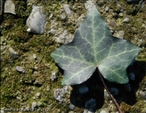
x,y
117,105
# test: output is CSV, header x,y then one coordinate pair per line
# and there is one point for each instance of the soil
x,y
19,90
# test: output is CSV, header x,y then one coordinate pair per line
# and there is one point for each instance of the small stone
x,y
54,75
35,68
33,106
37,95
35,56
13,53
64,38
9,7
143,94
20,69
126,20
65,88
2,111
86,111
51,15
104,111
121,14
36,20
71,112
40,104
67,9
106,8
119,34
59,94
71,106
28,30
48,88
89,4
106,95
52,31
63,16
18,97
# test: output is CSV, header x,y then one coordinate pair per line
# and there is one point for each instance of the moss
x,y
15,85
22,9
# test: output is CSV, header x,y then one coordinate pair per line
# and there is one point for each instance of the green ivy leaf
x,y
95,47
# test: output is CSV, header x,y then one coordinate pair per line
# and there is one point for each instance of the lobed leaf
x,y
95,47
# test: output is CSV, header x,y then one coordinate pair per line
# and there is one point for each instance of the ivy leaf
x,y
95,47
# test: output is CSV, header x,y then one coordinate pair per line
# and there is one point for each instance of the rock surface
x,y
9,7
34,89
36,20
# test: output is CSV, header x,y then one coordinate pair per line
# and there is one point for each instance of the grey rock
x,y
119,34
20,69
52,31
86,111
106,8
2,110
33,106
126,20
64,38
65,88
51,15
36,20
35,68
48,88
71,112
54,75
104,111
59,94
63,16
9,7
106,95
38,95
67,9
121,14
143,94
71,106
89,4
35,56
13,53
